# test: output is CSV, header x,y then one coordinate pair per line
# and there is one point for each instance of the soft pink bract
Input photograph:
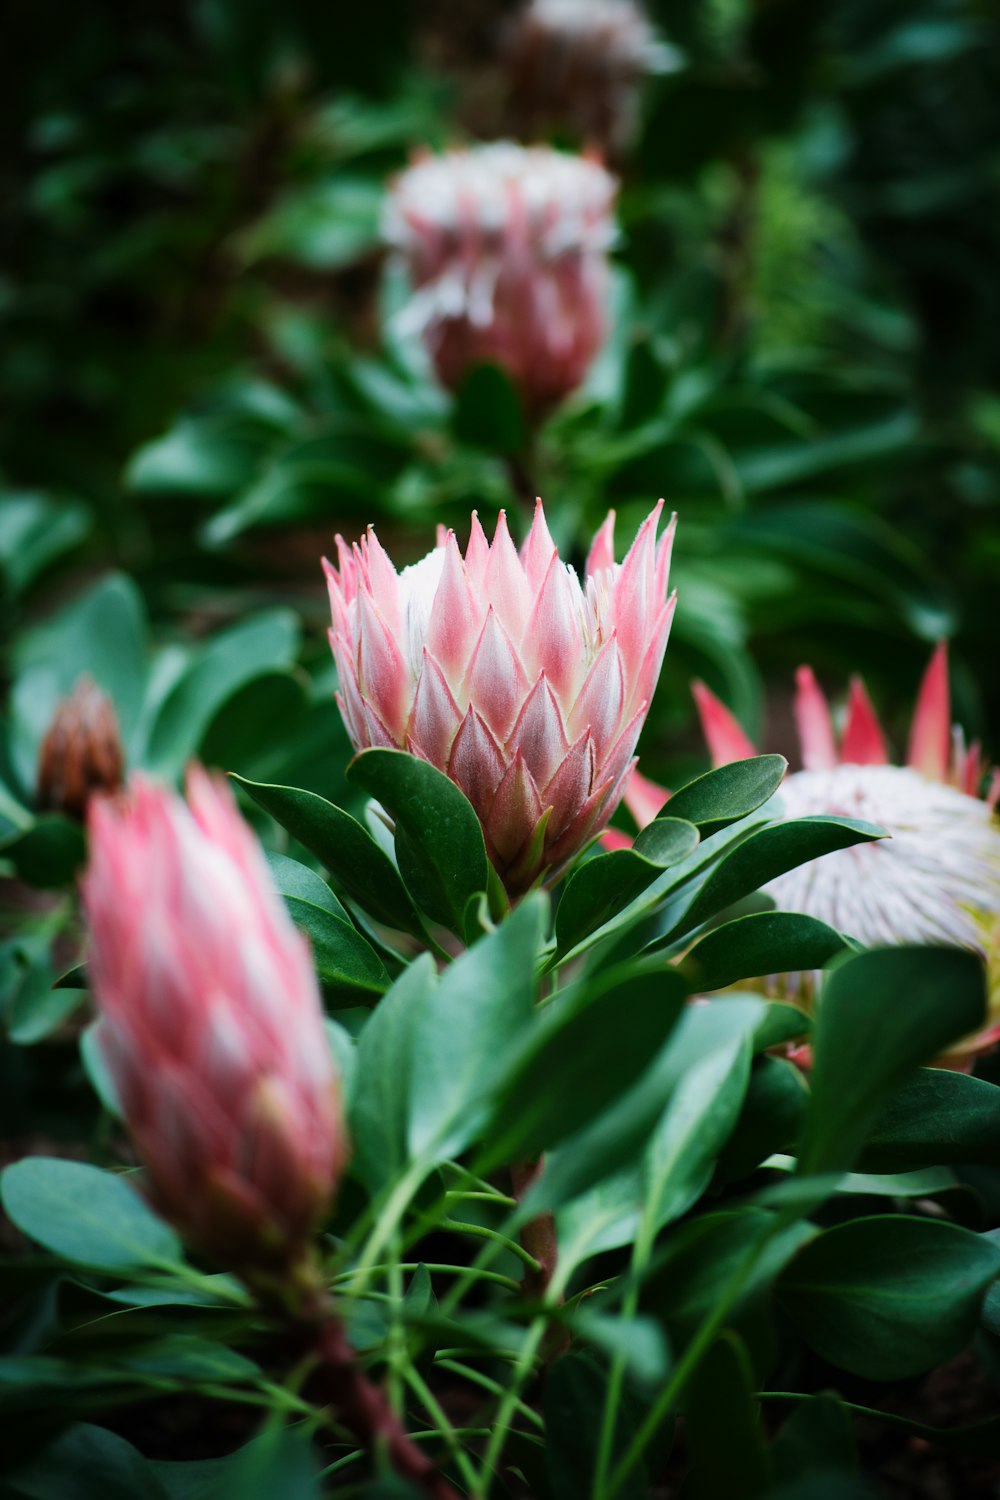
x,y
523,685
506,251
210,1022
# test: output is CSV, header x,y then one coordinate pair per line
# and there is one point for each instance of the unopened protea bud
x,y
936,879
211,1024
578,65
81,752
523,685
506,249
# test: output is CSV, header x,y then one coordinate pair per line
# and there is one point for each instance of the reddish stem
x,y
538,1236
362,1407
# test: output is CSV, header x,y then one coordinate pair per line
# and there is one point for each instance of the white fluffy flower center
x,y
936,879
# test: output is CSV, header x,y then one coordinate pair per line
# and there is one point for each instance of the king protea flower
x,y
579,64
210,1023
506,250
525,686
936,880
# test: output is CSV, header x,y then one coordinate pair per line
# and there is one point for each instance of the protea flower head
x,y
210,1022
506,250
579,64
936,880
525,686
81,752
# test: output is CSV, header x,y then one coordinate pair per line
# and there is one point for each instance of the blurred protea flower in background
x,y
525,686
936,880
579,65
506,251
210,1023
81,752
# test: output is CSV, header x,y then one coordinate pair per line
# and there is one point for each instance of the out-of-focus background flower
x,y
206,372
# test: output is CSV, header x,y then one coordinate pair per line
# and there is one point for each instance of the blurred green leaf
x,y
83,1214
889,1297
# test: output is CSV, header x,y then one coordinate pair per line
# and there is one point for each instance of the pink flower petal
x,y
539,733
477,553
435,717
724,735
553,633
863,743
382,675
601,701
538,550
516,810
930,737
495,682
455,619
476,763
571,784
506,586
601,556
812,715
643,798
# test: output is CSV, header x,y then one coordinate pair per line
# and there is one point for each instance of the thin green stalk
x,y
436,1268
388,1220
508,1406
426,1396
477,1377
480,1231
688,1362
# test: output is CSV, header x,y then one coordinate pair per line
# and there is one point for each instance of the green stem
x,y
477,1377
436,1268
386,1224
480,1231
436,1414
508,1406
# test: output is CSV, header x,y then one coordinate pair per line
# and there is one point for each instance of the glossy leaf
x,y
937,1116
439,842
889,1297
89,1463
720,1400
882,1014
763,943
347,850
765,854
592,1044
380,1102
601,887
728,793
347,964
83,1214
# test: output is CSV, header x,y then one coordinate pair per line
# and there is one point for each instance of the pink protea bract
x,y
936,879
525,686
210,1022
506,251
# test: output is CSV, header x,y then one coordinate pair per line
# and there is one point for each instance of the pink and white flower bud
x,y
523,685
579,65
506,249
210,1022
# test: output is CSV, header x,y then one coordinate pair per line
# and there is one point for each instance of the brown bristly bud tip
x,y
81,752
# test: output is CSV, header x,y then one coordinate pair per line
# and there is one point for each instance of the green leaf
x,y
470,1024
818,1435
348,966
763,943
380,1101
295,879
261,644
280,1463
88,1463
770,1119
937,1116
735,1253
728,793
888,1298
640,1342
488,411
85,1215
698,1121
35,530
765,854
881,1015
347,850
439,843
40,1008
575,1390
591,1045
720,1400
49,854
205,456
601,887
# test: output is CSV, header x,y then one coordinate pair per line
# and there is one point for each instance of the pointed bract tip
x,y
725,736
929,750
812,715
